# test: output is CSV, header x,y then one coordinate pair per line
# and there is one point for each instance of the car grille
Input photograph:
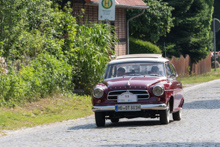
x,y
141,94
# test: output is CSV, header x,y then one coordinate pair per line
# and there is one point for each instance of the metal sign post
x,y
106,10
216,28
214,42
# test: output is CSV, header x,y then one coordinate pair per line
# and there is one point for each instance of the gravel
x,y
200,126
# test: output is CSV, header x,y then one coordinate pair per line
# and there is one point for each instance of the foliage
x,y
93,47
2,66
138,46
44,76
62,54
191,34
16,19
154,23
169,49
48,74
29,28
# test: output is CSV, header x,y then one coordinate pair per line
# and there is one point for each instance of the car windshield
x,y
135,69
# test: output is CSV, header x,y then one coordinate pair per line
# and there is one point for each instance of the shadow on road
x,y
119,124
134,123
171,144
204,104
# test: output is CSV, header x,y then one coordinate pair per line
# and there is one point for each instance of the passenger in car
x,y
155,70
120,71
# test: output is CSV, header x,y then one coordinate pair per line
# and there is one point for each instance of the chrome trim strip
x,y
142,98
154,107
143,107
173,89
129,90
135,94
143,94
103,108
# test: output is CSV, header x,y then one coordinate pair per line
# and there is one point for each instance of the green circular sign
x,y
106,4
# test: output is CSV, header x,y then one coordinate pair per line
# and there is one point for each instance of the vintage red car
x,y
138,85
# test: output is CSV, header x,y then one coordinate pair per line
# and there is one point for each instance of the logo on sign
x,y
106,4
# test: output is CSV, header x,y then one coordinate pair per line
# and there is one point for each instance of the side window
x,y
169,72
108,72
172,69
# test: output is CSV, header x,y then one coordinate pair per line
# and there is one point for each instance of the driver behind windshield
x,y
120,72
155,70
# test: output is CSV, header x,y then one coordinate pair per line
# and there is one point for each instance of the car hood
x,y
142,82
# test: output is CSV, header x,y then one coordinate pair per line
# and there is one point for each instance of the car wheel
x,y
114,120
165,116
177,115
100,119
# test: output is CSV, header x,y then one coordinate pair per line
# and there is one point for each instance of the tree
x,y
154,23
191,34
30,27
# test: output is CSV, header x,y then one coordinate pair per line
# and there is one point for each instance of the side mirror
x,y
174,75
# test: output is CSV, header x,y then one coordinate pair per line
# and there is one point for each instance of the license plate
x,y
136,107
127,97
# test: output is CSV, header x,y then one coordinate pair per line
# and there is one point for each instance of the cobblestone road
x,y
200,126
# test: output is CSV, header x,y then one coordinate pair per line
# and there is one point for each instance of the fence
x,y
182,65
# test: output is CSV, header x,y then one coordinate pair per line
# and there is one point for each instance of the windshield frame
x,y
150,62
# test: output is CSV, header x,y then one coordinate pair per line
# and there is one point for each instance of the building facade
x,y
90,14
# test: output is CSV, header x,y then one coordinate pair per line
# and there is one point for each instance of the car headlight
x,y
98,92
158,90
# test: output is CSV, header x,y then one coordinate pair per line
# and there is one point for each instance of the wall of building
x,y
91,15
120,24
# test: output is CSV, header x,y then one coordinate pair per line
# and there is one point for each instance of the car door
x,y
175,85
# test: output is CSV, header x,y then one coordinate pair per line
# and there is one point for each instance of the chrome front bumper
x,y
143,107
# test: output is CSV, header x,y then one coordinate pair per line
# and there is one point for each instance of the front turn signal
x,y
158,99
98,101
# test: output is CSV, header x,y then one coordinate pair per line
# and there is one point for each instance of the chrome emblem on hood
x,y
128,84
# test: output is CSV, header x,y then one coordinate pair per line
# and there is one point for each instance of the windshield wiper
x,y
155,75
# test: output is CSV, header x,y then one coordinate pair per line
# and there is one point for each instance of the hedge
x,y
138,46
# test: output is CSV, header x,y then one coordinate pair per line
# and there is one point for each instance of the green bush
x,y
64,55
49,74
33,27
44,76
93,47
138,46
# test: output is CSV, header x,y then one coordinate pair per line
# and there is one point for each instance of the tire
x,y
114,120
100,119
177,116
165,116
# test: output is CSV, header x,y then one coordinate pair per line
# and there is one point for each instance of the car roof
x,y
139,58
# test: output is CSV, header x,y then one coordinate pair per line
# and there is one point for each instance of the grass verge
x,y
213,75
45,111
